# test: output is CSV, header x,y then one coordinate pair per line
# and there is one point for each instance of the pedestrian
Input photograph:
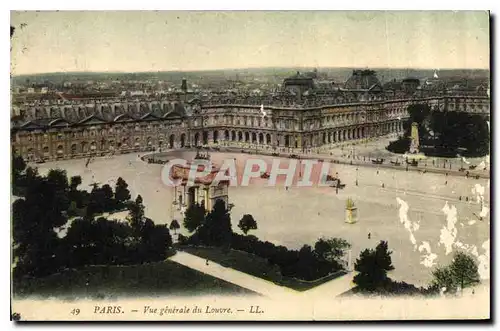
x,y
460,198
446,183
206,262
369,235
286,188
383,185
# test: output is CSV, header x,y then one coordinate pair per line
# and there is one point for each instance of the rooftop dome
x,y
362,80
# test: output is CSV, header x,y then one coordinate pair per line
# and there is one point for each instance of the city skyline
x,y
51,42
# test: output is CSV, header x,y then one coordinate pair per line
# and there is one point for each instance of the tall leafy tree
x,y
122,194
34,218
443,279
464,270
448,133
461,273
194,217
108,197
136,214
217,227
372,267
156,240
331,250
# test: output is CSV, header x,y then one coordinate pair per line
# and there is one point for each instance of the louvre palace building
x,y
304,114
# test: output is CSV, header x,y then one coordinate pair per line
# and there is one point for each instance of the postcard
x,y
250,165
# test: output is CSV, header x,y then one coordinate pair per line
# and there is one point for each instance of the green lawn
x,y
107,282
255,266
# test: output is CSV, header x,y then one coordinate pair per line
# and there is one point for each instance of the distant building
x,y
410,85
184,86
363,80
94,123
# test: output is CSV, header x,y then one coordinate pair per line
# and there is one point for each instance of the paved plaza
x,y
299,216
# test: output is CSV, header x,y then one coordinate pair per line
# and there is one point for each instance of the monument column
x,y
415,143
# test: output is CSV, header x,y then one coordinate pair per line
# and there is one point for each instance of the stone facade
x,y
73,129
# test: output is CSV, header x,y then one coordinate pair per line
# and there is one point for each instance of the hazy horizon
x,y
194,41
241,69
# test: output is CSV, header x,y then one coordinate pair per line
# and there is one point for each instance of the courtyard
x,y
300,215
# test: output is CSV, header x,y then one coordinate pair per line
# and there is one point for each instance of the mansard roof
x,y
105,111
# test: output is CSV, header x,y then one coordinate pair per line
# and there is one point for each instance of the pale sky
x,y
163,41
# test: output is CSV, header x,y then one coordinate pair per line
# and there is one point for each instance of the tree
x,y
464,270
331,250
306,265
107,194
194,217
136,214
461,273
95,202
74,182
58,179
217,227
156,240
446,133
247,223
372,267
18,163
174,225
122,194
18,167
34,218
443,278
